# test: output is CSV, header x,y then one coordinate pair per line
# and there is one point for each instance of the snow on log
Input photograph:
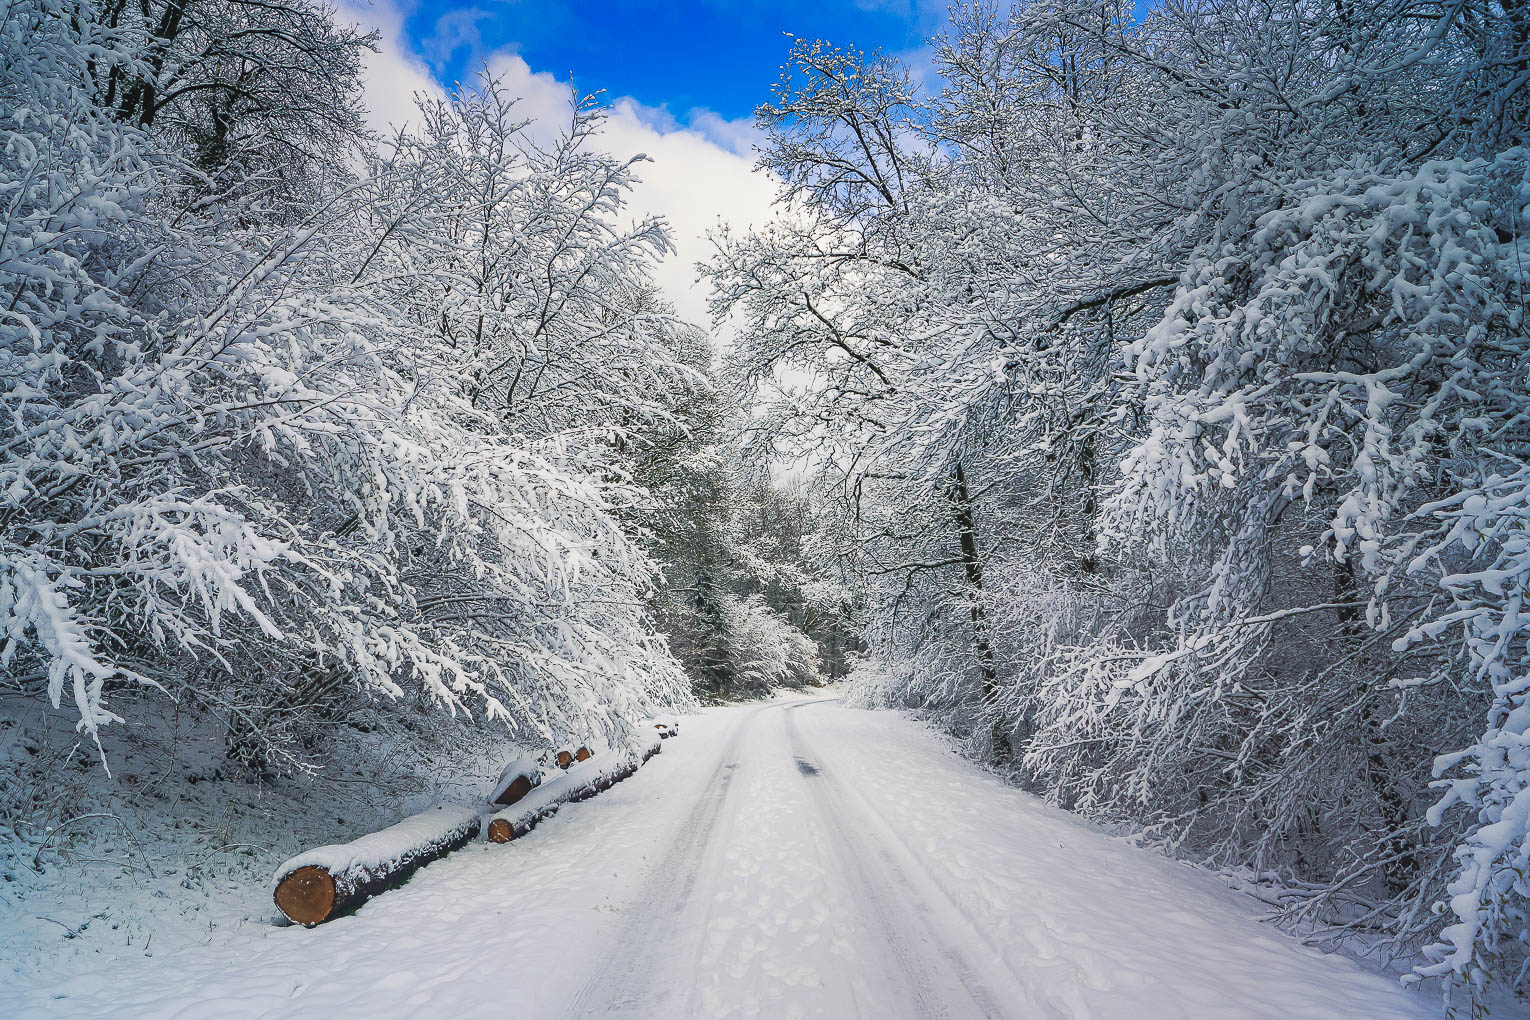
x,y
667,725
581,782
519,778
320,884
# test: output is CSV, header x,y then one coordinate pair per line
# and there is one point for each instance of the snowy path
x,y
790,859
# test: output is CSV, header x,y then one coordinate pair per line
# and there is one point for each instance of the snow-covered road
x,y
788,859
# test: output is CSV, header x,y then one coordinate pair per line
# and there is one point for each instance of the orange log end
x,y
501,831
564,759
515,791
583,754
307,895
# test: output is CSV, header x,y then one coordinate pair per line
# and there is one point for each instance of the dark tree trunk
x,y
1088,560
142,100
972,567
1398,843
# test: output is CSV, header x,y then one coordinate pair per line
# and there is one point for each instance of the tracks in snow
x,y
910,942
941,981
620,984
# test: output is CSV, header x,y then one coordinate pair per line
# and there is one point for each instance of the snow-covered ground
x,y
794,858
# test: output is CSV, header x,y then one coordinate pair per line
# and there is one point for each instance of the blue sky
x,y
719,55
681,83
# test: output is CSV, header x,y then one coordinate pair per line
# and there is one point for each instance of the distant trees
x,y
1169,380
741,600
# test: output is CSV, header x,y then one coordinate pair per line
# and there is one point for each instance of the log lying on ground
x,y
580,782
324,883
516,780
667,725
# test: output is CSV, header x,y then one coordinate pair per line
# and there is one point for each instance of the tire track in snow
x,y
856,851
620,984
926,1001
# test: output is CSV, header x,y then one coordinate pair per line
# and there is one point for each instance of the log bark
x,y
310,892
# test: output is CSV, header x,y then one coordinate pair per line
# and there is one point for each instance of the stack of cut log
x,y
322,884
580,781
666,725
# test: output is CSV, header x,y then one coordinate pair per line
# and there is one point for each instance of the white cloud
x,y
701,173
737,136
696,184
454,30
698,176
542,97
393,75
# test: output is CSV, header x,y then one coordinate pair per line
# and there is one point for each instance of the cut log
x,y
564,758
318,885
307,896
667,725
516,780
584,753
582,781
518,788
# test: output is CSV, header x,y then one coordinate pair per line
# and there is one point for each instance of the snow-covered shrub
x,y
1356,367
764,651
236,470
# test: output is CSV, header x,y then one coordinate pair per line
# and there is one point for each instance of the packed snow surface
x,y
427,829
791,859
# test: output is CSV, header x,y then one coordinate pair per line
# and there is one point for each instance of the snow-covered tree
x,y
243,466
1168,377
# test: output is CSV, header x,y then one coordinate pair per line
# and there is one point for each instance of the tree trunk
x,y
1398,843
141,101
972,566
1089,559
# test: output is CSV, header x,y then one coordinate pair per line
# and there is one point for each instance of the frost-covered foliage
x,y
734,545
1172,384
278,434
764,650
